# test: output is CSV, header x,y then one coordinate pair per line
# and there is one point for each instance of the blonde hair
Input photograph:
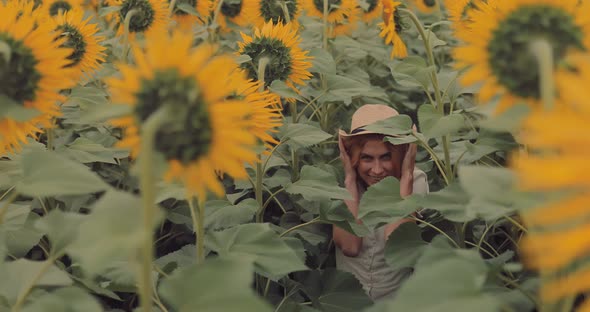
x,y
356,144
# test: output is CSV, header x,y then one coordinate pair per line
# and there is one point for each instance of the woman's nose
x,y
377,168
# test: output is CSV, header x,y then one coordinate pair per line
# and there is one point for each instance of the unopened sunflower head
x,y
142,16
279,44
277,12
497,51
186,20
343,15
208,130
81,36
371,10
391,28
32,72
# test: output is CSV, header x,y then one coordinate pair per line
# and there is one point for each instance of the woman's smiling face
x,y
377,162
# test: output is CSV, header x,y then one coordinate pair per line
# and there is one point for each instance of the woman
x,y
368,159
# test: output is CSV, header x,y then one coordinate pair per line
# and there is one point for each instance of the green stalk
x,y
543,52
171,7
326,26
22,296
262,63
285,9
197,209
4,208
147,183
437,96
312,221
126,23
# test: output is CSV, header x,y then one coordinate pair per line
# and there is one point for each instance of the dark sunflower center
x,y
232,8
189,139
429,3
142,19
75,41
280,65
18,77
59,6
512,64
192,3
333,5
372,5
271,10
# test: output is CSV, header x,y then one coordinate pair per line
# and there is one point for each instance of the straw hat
x,y
366,115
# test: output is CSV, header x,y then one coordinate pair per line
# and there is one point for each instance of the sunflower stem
x,y
543,52
146,180
50,137
22,296
4,208
126,25
283,4
262,63
198,216
437,94
171,7
326,26
213,33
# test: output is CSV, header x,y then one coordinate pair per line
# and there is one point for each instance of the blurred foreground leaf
x,y
217,285
316,184
69,299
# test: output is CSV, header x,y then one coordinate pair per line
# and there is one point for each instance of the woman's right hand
x,y
349,172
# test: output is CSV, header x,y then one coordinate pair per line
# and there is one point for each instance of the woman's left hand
x,y
407,170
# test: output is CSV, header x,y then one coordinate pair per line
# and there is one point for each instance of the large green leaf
x,y
435,125
303,135
87,151
412,71
69,299
180,258
15,111
218,285
317,184
335,291
49,174
382,204
395,126
509,121
19,234
338,214
284,90
404,246
271,255
61,228
112,233
445,279
323,62
17,275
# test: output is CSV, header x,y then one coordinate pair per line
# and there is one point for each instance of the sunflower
x,y
54,7
342,14
458,12
559,242
238,12
371,10
212,130
274,10
426,6
496,51
265,116
280,43
186,20
31,75
148,16
81,37
391,28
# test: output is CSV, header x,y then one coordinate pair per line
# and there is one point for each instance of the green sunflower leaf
x,y
205,287
187,8
12,110
435,125
280,88
302,135
49,174
323,62
68,299
404,246
316,184
271,255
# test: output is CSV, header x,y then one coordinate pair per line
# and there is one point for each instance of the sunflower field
x,y
182,155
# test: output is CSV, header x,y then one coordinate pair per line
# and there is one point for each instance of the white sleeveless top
x,y
378,280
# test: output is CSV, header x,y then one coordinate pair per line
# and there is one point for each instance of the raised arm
x,y
350,244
